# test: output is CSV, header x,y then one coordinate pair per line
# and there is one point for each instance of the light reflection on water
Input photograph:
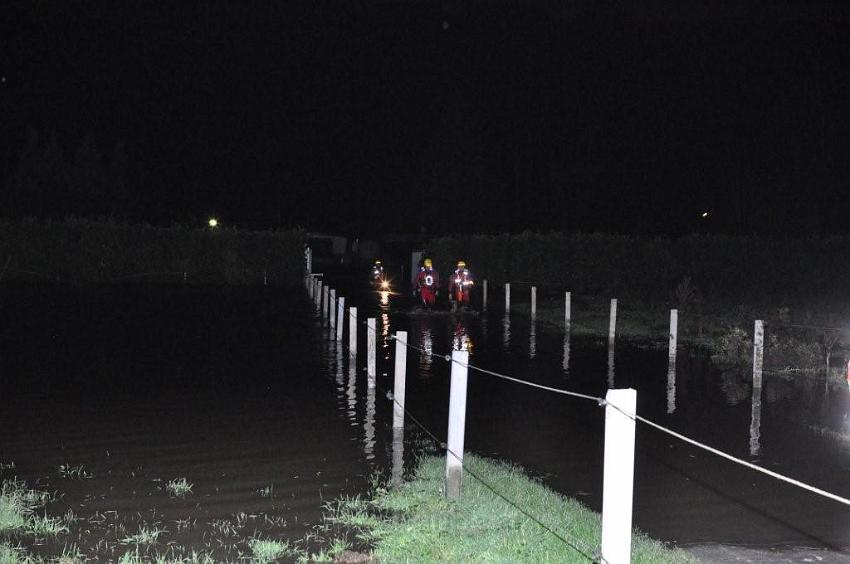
x,y
532,338
506,331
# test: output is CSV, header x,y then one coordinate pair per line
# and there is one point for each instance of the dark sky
x,y
455,116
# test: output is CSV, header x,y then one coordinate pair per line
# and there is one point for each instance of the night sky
x,y
461,116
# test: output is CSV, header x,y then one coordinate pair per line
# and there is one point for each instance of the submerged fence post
x,y
612,323
534,300
319,291
618,476
340,317
457,424
567,310
352,331
758,354
370,351
674,333
507,297
323,306
332,311
484,302
399,382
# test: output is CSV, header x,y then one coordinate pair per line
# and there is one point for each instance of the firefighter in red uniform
x,y
460,286
427,282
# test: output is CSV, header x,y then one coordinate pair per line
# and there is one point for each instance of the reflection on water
x,y
397,475
755,423
671,385
461,340
351,393
610,364
369,425
506,331
385,299
532,338
565,363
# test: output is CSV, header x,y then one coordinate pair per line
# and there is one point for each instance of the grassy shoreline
x,y
502,516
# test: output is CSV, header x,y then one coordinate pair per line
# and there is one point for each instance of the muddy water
x,y
244,395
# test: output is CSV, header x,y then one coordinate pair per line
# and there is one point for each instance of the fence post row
x,y
457,424
399,383
618,476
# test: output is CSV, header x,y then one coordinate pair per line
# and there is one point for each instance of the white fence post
x,y
567,310
326,300
398,384
534,300
457,424
340,317
370,351
319,293
758,354
332,311
484,303
618,476
674,332
612,322
352,331
507,297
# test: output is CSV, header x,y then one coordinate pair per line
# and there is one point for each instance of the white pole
x,y
352,331
507,297
758,354
567,312
612,323
332,311
370,351
319,291
398,384
397,473
340,318
534,300
326,298
674,332
484,305
618,476
457,424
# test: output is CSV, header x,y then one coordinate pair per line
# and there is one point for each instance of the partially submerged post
x,y
399,381
484,296
567,312
534,300
370,351
352,331
457,424
340,317
618,476
319,293
758,354
507,297
612,322
332,311
674,332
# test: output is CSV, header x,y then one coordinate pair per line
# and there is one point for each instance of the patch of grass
x,y
74,472
178,487
417,522
17,511
145,536
270,550
267,491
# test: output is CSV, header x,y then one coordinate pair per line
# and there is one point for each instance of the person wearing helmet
x,y
460,286
427,282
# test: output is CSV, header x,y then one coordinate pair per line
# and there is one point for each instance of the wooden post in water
x,y
326,299
758,354
340,318
533,301
319,293
457,424
332,311
618,476
484,299
507,297
370,351
399,381
612,322
352,331
567,311
674,332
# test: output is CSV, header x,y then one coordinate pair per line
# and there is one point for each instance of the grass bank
x,y
415,523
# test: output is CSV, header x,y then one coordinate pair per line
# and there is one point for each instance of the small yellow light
x,y
213,222
705,214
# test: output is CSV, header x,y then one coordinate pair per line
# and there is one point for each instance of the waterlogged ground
x,y
110,394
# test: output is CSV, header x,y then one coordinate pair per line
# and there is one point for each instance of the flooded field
x,y
110,394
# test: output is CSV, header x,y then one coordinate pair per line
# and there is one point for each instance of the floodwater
x,y
245,393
